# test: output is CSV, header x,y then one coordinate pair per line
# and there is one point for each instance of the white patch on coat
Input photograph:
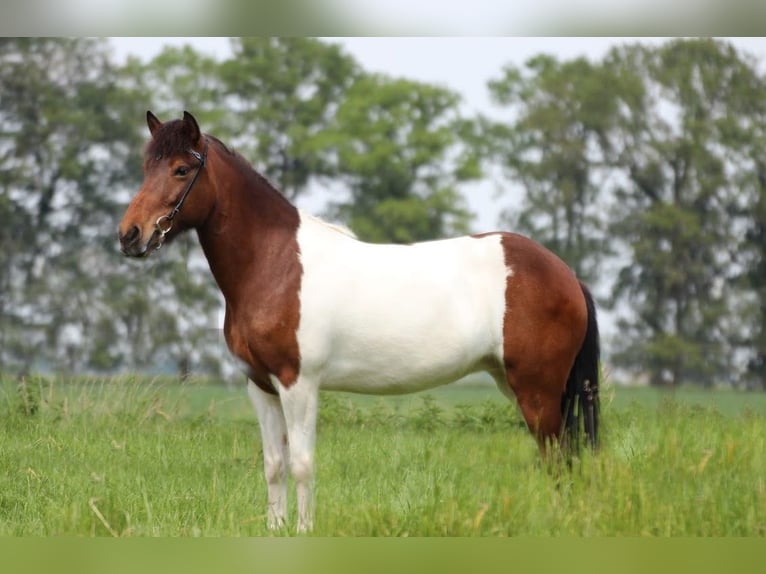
x,y
389,319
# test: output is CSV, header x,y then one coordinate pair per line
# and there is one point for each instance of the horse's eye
x,y
181,170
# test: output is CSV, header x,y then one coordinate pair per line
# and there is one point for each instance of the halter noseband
x,y
169,217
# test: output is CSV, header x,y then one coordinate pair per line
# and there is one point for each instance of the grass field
x,y
130,457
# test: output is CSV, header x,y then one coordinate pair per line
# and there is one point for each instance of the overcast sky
x,y
462,63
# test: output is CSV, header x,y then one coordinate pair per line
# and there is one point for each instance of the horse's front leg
x,y
274,437
299,405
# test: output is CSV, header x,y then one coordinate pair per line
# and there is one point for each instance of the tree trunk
x,y
184,367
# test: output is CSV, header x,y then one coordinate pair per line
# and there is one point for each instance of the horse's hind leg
x,y
274,439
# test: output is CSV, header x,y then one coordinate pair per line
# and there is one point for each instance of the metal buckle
x,y
197,155
158,225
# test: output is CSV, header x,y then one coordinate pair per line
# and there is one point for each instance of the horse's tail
x,y
580,399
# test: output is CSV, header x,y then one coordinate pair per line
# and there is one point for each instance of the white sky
x,y
461,63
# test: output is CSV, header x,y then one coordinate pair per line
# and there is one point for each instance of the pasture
x,y
136,457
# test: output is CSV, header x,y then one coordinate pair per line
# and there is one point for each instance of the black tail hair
x,y
580,398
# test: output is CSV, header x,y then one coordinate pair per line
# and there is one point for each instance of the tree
x,y
674,147
64,148
178,79
70,154
555,149
747,133
398,151
284,93
754,311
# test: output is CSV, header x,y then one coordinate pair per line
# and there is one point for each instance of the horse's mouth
x,y
133,254
139,251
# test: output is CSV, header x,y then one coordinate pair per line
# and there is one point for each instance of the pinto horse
x,y
310,307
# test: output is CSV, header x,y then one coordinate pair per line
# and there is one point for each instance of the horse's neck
x,y
249,236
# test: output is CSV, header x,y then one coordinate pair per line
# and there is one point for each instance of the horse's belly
x,y
378,378
419,354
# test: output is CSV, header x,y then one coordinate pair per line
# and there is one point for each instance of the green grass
x,y
132,457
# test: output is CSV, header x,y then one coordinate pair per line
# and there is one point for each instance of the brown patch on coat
x,y
252,248
543,330
248,232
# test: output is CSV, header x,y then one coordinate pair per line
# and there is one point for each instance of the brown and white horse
x,y
309,307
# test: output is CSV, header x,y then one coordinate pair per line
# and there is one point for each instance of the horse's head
x,y
175,194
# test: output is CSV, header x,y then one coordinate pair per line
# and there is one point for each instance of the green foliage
x,y
285,92
28,396
554,150
61,117
178,79
676,213
394,140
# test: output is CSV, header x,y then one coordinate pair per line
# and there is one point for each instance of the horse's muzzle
x,y
131,244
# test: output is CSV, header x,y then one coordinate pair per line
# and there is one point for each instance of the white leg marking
x,y
275,452
299,405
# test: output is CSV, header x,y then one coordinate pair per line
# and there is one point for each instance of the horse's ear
x,y
196,134
152,121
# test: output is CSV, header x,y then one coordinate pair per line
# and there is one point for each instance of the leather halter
x,y
168,219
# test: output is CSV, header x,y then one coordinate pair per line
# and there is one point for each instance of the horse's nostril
x,y
131,236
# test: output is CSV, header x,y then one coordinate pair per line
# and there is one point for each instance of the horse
x,y
310,307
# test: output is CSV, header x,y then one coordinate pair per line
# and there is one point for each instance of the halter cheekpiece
x,y
168,219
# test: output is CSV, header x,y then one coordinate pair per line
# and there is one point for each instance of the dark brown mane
x,y
245,165
224,147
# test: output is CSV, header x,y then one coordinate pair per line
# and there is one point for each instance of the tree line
x,y
644,170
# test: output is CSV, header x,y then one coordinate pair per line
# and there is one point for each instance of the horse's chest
x,y
266,346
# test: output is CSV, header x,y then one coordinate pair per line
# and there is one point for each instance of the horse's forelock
x,y
171,138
